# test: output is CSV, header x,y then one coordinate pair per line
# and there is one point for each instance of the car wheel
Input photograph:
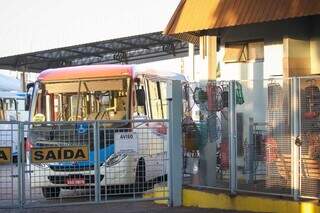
x,y
140,183
51,192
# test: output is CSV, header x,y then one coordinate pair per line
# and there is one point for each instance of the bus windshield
x,y
106,99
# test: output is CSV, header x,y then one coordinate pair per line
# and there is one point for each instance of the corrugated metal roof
x,y
196,15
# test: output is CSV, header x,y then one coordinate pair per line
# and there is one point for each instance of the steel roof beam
x,y
134,46
122,50
82,53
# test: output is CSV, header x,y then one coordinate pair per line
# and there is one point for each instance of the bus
x,y
12,108
114,93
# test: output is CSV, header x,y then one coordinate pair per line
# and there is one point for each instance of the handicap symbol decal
x,y
82,128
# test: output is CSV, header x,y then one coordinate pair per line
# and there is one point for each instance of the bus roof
x,y
161,74
104,71
85,72
8,83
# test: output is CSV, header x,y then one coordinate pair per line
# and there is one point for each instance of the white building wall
x,y
252,75
273,60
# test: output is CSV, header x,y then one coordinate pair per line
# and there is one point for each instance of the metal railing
x,y
78,162
9,136
267,136
60,163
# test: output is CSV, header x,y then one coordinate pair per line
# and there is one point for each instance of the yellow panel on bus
x,y
5,155
57,154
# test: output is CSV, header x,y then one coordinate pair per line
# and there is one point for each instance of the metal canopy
x,y
135,49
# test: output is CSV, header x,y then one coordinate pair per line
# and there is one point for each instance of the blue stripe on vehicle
x,y
104,155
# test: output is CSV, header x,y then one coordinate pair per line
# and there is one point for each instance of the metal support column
x,y
21,165
232,137
175,162
191,60
295,137
211,147
96,138
23,79
250,157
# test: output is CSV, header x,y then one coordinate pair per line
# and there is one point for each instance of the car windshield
x,y
83,100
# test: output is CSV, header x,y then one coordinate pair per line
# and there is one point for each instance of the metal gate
x,y
71,162
309,129
56,163
268,129
9,182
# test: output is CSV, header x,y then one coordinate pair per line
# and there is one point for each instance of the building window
x,y
244,52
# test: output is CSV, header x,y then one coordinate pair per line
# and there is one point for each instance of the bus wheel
x,y
140,183
51,192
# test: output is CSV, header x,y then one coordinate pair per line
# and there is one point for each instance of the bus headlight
x,y
115,159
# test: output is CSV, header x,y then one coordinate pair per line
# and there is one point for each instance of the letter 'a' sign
x,y
56,154
5,155
125,142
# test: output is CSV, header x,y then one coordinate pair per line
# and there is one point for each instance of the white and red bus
x,y
107,93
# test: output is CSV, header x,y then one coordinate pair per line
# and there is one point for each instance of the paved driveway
x,y
129,207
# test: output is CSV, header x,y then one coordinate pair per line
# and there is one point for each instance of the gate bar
x,y
175,143
21,165
96,139
232,138
295,128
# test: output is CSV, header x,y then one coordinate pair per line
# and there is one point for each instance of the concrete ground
x,y
120,207
33,197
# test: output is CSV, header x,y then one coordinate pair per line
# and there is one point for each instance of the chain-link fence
x,y
78,162
263,138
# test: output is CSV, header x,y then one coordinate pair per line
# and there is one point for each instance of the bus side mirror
x,y
140,94
28,98
29,86
28,103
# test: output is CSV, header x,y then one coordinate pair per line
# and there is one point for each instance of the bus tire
x,y
140,182
51,192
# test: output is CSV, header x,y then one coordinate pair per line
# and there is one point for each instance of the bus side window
x,y
140,98
155,100
163,96
21,104
10,104
1,110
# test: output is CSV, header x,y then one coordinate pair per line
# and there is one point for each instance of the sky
x,y
33,25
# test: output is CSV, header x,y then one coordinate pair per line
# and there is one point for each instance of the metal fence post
x,y
232,137
96,143
175,143
295,137
21,165
250,156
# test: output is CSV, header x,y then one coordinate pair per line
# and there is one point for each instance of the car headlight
x,y
115,159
